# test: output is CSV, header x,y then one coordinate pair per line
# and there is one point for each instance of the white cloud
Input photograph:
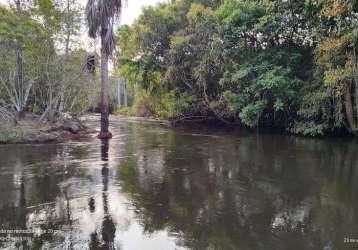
x,y
132,9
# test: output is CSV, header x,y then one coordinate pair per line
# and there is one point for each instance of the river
x,y
158,188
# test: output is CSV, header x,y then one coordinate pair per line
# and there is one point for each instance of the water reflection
x,y
155,188
108,228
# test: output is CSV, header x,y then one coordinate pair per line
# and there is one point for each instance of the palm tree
x,y
100,18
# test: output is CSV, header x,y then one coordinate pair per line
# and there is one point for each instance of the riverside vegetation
x,y
43,73
268,63
48,72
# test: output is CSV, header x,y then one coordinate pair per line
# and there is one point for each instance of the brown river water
x,y
158,188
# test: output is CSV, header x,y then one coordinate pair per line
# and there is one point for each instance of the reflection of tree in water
x,y
258,197
22,210
39,197
108,227
15,217
215,193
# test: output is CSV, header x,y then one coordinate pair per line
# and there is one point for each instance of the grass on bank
x,y
8,134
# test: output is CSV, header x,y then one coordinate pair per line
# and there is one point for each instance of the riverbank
x,y
29,130
146,120
199,122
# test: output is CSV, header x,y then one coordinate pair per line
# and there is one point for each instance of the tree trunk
x,y
118,93
20,72
349,109
125,94
356,99
355,85
104,91
20,67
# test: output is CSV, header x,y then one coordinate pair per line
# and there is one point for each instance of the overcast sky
x,y
131,10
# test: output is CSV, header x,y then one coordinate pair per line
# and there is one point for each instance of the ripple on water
x,y
151,187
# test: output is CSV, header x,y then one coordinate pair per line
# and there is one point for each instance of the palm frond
x,y
100,17
93,18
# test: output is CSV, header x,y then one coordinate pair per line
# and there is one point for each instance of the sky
x,y
132,8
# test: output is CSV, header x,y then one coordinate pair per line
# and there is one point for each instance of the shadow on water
x,y
155,188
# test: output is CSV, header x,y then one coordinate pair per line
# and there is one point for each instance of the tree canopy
x,y
284,64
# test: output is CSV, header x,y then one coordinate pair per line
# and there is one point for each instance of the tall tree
x,y
336,55
20,63
100,18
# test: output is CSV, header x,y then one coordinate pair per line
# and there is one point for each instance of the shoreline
x,y
30,131
146,119
216,123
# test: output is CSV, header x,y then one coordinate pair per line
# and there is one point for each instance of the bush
x,y
175,104
250,114
123,111
171,105
315,116
145,105
11,134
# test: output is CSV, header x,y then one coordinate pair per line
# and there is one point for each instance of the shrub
x,y
9,135
175,104
144,105
124,111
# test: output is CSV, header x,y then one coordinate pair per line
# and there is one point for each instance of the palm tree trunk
x,y
104,91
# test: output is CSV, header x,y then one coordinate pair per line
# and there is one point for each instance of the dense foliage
x,y
271,63
43,65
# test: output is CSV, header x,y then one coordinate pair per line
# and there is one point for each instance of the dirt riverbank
x,y
29,130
